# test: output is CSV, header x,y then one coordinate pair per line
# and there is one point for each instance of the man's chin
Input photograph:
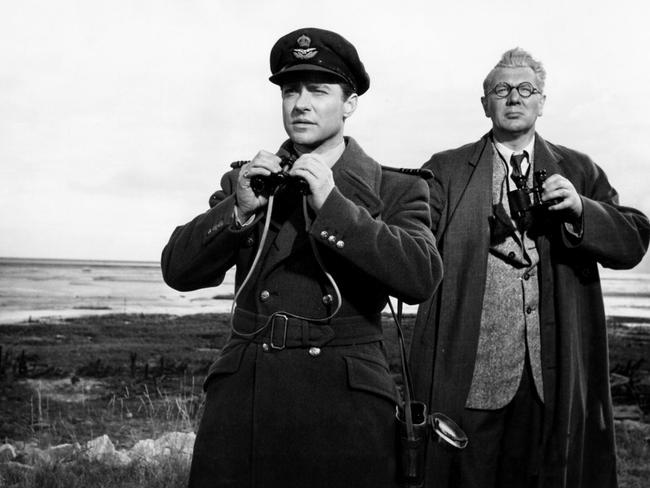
x,y
515,128
303,140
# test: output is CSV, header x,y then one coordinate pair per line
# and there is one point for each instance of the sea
x,y
37,289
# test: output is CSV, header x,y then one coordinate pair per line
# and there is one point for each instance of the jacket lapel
x,y
546,158
478,167
356,176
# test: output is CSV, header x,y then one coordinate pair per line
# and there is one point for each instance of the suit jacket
x,y
578,427
289,418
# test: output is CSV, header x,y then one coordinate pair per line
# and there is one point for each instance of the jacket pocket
x,y
228,363
371,374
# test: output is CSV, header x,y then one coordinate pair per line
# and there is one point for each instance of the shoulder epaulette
x,y
422,173
238,164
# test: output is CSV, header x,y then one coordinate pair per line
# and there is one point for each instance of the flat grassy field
x,y
136,376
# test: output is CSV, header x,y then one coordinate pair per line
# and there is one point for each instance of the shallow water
x,y
39,288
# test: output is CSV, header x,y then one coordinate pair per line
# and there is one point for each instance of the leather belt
x,y
282,331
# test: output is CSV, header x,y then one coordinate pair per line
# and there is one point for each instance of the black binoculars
x,y
267,185
525,199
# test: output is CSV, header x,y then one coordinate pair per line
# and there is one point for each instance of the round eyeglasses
x,y
525,89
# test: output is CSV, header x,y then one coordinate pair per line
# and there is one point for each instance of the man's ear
x,y
540,110
485,106
350,105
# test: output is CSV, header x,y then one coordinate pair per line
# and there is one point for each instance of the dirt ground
x,y
137,376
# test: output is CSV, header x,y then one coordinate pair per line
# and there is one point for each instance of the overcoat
x,y
320,411
578,424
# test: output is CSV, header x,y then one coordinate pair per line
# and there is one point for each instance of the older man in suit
x,y
513,345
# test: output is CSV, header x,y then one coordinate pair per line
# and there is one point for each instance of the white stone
x,y
63,452
7,453
100,448
144,450
175,443
170,444
35,455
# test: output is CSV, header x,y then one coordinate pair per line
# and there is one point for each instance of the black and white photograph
x,y
348,244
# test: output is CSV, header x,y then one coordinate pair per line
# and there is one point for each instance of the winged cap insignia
x,y
304,51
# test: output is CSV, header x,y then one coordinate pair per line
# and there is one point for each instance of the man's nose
x,y
304,99
513,97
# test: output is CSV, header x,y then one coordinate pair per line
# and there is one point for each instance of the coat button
x,y
340,244
264,295
530,309
511,255
327,299
265,347
324,234
331,239
250,241
526,276
314,351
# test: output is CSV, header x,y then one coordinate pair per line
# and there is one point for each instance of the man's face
x,y
513,115
314,112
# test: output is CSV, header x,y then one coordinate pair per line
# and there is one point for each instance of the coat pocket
x,y
371,374
228,363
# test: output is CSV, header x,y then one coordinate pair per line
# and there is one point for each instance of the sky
x,y
117,118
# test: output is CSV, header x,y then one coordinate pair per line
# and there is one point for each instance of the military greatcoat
x,y
578,425
295,403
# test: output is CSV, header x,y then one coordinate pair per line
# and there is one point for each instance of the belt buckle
x,y
279,347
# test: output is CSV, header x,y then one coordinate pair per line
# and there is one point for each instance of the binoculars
x,y
525,199
267,185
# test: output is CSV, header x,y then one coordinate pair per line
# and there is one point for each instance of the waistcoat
x,y
509,329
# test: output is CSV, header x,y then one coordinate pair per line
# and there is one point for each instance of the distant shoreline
x,y
49,316
78,262
40,289
9,260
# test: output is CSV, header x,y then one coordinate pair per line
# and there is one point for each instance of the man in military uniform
x,y
513,345
320,235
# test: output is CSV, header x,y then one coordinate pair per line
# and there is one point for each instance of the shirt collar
x,y
506,152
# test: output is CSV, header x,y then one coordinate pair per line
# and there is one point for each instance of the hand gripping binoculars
x,y
524,199
267,185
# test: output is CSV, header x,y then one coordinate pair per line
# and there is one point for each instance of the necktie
x,y
515,162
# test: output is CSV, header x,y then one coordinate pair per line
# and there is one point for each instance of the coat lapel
x,y
357,177
546,158
479,161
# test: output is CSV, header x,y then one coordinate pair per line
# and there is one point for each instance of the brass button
x,y
327,299
265,347
314,351
340,244
324,234
331,239
264,295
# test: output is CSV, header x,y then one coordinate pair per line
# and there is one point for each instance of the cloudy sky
x,y
118,117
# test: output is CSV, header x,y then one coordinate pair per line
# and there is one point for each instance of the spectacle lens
x,y
525,89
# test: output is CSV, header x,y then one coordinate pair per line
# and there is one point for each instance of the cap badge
x,y
304,51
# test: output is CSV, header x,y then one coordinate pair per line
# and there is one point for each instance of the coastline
x,y
211,302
